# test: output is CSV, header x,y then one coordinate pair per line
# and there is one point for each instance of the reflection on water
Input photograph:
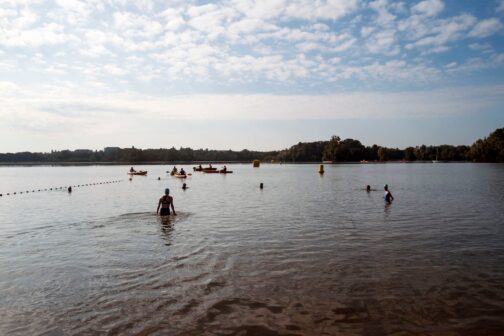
x,y
307,255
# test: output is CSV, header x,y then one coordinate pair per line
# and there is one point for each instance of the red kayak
x,y
138,173
180,175
218,172
204,169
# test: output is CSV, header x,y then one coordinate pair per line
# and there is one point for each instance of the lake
x,y
309,254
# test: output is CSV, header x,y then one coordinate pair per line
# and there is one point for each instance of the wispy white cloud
x,y
486,28
445,31
67,108
428,7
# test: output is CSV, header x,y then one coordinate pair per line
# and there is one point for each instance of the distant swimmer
x,y
184,186
165,202
368,188
387,195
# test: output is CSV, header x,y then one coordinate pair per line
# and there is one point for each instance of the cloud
x,y
384,16
428,7
48,34
500,6
486,28
383,42
445,31
46,108
234,45
296,9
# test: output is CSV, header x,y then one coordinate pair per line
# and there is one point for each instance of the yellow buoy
x,y
256,163
321,169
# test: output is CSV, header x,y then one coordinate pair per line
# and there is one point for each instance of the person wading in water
x,y
164,203
387,195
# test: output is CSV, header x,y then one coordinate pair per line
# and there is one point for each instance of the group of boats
x,y
212,170
182,174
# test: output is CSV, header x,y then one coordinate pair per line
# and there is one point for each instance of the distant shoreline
x,y
157,163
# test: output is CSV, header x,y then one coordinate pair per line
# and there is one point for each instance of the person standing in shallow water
x,y
165,202
388,195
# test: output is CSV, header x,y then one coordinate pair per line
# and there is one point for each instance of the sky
x,y
255,74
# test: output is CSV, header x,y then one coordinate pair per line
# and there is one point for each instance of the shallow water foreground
x,y
307,255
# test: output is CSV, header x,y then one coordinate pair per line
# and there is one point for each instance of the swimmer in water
x,y
165,202
387,195
368,188
184,186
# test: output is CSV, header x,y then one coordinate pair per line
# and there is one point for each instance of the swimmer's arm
x,y
173,208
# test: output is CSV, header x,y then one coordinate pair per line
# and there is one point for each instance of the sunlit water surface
x,y
307,255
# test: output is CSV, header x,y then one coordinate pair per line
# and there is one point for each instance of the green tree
x,y
382,154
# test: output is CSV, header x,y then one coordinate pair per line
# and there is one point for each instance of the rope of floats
x,y
68,188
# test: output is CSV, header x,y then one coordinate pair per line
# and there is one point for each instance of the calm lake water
x,y
307,255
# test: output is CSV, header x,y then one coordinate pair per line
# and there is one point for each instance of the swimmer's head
x,y
167,191
385,186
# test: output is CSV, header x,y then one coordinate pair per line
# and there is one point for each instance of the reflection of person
x,y
388,195
165,202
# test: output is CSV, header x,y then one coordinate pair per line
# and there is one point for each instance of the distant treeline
x,y
490,149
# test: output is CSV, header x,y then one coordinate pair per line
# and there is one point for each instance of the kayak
x,y
204,169
218,172
180,175
142,172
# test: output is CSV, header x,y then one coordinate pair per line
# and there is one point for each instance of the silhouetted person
x,y
182,171
261,185
165,202
387,195
184,186
368,188
69,189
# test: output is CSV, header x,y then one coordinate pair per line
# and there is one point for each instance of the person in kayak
x,y
387,195
165,202
182,171
132,170
224,169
